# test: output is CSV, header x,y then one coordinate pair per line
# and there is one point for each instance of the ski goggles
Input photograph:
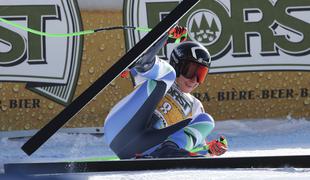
x,y
192,69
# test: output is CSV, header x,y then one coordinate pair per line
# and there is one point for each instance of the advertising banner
x,y
260,57
241,35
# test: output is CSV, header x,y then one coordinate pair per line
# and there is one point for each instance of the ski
x,y
92,159
123,63
301,161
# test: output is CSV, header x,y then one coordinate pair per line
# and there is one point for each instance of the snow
x,y
262,137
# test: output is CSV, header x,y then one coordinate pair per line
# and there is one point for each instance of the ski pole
x,y
33,31
203,148
40,33
222,139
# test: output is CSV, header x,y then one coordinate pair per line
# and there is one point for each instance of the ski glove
x,y
218,147
177,34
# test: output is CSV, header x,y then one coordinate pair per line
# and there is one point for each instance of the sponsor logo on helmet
x,y
199,59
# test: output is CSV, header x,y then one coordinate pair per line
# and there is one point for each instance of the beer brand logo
x,y
49,65
241,35
204,26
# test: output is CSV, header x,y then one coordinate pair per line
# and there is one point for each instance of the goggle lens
x,y
192,69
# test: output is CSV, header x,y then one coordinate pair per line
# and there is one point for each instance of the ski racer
x,y
160,118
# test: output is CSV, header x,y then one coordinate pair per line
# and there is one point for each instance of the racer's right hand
x,y
177,34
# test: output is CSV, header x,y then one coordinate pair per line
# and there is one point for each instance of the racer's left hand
x,y
218,147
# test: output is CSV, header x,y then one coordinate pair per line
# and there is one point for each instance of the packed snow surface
x,y
261,137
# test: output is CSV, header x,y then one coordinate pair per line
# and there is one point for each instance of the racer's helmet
x,y
191,59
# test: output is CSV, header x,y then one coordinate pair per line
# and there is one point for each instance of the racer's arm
x,y
175,35
147,61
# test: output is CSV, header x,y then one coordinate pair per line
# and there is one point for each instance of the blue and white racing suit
x,y
154,112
